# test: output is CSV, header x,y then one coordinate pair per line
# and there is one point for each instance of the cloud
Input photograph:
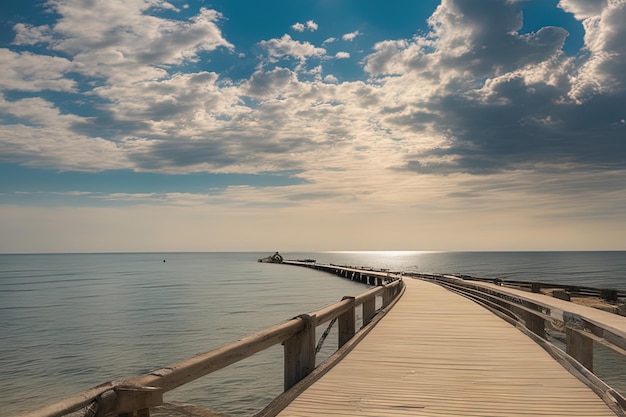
x,y
124,41
582,9
298,27
482,38
497,100
288,47
389,57
605,37
270,83
311,25
33,35
351,36
38,135
472,98
30,72
301,27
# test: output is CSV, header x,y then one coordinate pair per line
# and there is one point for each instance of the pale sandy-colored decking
x,y
438,354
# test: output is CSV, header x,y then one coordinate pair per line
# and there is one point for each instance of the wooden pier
x,y
439,354
428,345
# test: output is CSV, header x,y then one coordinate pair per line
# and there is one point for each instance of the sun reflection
x,y
384,252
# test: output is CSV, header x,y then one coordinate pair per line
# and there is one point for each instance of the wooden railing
x,y
135,396
606,294
535,318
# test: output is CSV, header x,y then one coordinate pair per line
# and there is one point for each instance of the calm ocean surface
x,y
72,321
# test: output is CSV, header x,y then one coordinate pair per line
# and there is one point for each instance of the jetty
x,y
411,345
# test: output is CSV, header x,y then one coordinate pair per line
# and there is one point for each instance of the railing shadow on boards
x,y
134,396
541,321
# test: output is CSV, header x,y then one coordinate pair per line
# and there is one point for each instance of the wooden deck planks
x,y
439,354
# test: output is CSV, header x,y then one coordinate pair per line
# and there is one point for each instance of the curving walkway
x,y
438,354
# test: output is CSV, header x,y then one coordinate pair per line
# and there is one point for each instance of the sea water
x,y
72,321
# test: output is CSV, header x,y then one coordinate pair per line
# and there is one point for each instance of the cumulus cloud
x,y
473,96
500,100
482,38
351,36
582,9
605,39
298,27
175,106
29,72
310,25
123,50
389,57
123,40
288,47
32,35
41,137
270,83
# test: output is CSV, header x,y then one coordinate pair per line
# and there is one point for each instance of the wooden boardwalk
x,y
438,354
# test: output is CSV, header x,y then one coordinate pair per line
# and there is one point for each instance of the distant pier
x,y
363,275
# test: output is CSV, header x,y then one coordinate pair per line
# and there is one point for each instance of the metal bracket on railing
x,y
325,335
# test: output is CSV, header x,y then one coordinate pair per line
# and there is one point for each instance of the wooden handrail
x,y
183,372
328,313
607,294
141,392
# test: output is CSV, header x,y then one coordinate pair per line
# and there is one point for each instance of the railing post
x,y
299,353
369,309
609,295
387,295
535,324
580,347
133,401
347,323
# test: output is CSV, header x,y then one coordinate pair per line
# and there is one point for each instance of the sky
x,y
291,125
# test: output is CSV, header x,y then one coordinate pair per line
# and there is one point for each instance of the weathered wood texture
x,y
300,353
438,354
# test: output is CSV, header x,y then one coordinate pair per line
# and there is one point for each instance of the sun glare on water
x,y
384,252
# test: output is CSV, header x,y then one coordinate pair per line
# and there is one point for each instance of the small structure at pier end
x,y
276,258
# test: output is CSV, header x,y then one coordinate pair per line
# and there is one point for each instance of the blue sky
x,y
317,125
